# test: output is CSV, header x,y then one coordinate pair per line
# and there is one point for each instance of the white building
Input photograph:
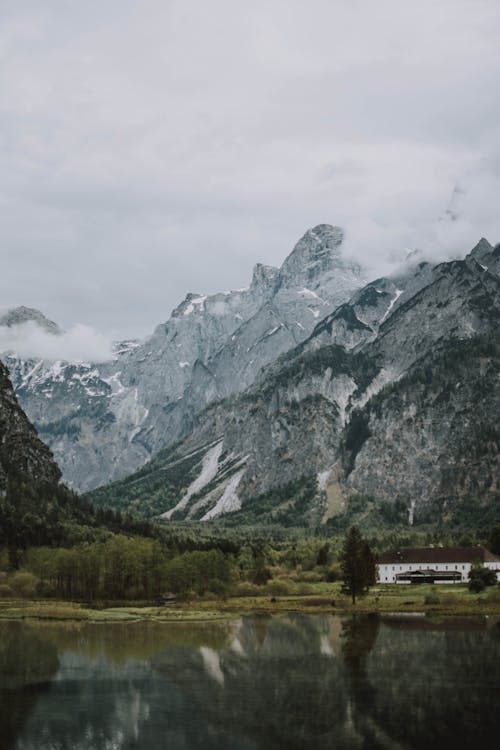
x,y
434,564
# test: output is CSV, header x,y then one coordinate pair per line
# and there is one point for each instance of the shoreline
x,y
452,603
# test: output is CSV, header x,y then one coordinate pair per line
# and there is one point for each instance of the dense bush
x,y
245,588
278,588
24,583
481,577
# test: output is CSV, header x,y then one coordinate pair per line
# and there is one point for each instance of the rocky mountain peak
x,y
189,304
315,254
104,419
20,315
264,279
481,250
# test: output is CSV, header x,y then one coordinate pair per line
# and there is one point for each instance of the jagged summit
x,y
16,316
394,396
481,250
264,277
213,345
318,252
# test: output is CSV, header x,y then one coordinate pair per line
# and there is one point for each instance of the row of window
x,y
430,567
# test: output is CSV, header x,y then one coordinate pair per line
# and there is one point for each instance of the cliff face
x,y
104,420
395,395
283,399
21,451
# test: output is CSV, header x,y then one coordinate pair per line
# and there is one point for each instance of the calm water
x,y
258,682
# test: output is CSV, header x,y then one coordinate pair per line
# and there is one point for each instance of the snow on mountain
x,y
103,419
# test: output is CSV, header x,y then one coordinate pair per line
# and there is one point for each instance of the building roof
x,y
418,555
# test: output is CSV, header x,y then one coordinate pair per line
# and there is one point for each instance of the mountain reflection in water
x,y
258,682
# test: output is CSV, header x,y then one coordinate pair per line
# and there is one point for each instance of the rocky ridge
x,y
394,396
103,420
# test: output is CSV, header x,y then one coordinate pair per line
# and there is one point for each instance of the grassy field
x,y
322,597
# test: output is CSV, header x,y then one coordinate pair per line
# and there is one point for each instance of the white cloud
x,y
80,344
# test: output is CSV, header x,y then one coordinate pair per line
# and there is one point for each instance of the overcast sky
x,y
155,147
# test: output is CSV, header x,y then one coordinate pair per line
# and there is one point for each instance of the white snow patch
x,y
183,364
485,268
323,478
115,384
229,502
195,302
270,333
308,293
124,347
31,373
325,646
211,662
314,312
56,371
209,469
299,325
237,647
238,316
398,294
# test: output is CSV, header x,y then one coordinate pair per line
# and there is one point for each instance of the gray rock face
x,y
104,420
395,395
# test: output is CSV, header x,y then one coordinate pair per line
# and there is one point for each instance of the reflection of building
x,y
433,565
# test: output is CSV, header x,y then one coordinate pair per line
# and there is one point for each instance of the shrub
x,y
310,576
24,584
245,588
278,588
304,589
5,590
432,598
476,585
480,577
332,574
219,588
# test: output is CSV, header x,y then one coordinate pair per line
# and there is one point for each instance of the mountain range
x,y
103,420
308,394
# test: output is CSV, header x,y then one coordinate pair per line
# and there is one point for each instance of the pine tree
x,y
357,565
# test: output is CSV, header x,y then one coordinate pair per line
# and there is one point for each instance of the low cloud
x,y
79,344
138,165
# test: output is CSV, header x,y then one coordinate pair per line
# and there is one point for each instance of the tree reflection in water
x,y
27,666
258,682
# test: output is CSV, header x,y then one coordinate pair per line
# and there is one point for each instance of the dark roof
x,y
438,555
431,573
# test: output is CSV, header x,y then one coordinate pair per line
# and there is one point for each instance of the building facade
x,y
433,564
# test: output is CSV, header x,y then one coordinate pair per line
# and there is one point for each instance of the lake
x,y
293,681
